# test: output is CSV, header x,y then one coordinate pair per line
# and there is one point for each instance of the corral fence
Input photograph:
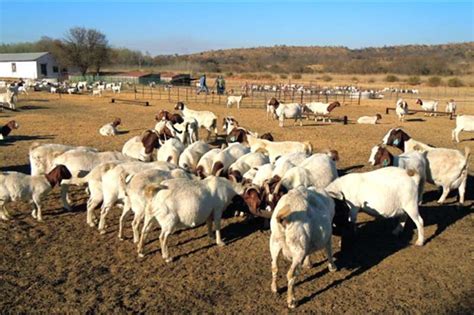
x,y
312,93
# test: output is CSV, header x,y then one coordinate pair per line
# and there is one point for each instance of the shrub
x,y
266,76
296,76
326,78
250,76
414,80
371,80
391,78
434,81
229,74
355,79
455,82
283,76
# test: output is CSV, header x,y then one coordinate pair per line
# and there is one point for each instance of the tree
x,y
86,48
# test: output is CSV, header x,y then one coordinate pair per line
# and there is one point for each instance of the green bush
x,y
455,82
414,80
296,76
391,78
434,81
283,76
326,78
371,80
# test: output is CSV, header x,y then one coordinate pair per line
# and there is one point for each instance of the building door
x,y
44,69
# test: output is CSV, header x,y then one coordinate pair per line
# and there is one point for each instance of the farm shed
x,y
38,65
136,77
182,79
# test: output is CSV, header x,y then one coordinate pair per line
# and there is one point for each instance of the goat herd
x,y
168,174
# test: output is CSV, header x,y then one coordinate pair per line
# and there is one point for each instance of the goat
x,y
205,119
410,160
428,106
190,157
292,110
204,166
170,151
463,123
278,148
110,129
397,137
371,120
231,100
142,147
188,203
8,98
401,108
322,109
386,192
226,157
451,107
300,225
272,106
5,130
245,163
16,186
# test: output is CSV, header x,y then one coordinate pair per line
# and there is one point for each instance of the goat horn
x,y
277,187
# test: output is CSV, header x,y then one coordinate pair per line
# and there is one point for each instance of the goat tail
x,y
282,216
308,147
214,125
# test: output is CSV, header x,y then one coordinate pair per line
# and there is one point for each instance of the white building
x,y
29,66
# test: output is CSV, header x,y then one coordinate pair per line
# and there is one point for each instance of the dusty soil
x,y
63,265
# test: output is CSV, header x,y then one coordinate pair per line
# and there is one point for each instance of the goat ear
x,y
152,189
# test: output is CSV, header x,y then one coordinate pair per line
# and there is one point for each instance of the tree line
x,y
89,51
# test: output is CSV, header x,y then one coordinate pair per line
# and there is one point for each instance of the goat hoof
x,y
274,288
419,243
169,259
141,255
332,268
102,232
292,304
120,238
91,224
220,244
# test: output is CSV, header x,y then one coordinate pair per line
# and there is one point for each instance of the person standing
x,y
203,85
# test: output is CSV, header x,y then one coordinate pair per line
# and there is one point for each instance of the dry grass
x,y
62,265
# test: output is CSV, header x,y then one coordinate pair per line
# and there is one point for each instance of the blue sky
x,y
167,27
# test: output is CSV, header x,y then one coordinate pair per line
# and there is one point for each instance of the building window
x,y
13,67
44,69
55,69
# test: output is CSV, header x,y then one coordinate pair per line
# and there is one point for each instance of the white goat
x,y
204,166
190,157
226,157
264,173
135,194
110,129
142,147
276,149
16,186
287,161
322,109
187,203
401,108
386,192
448,168
411,160
451,107
113,184
463,123
8,98
428,106
231,100
80,162
289,111
170,151
370,120
245,163
205,119
300,225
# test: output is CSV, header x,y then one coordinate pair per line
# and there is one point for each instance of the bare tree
x,y
86,48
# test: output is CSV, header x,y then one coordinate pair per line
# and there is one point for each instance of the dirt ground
x,y
63,265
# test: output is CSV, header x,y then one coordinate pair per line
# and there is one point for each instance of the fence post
x,y
143,91
212,98
151,92
360,94
169,95
178,95
135,90
186,89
